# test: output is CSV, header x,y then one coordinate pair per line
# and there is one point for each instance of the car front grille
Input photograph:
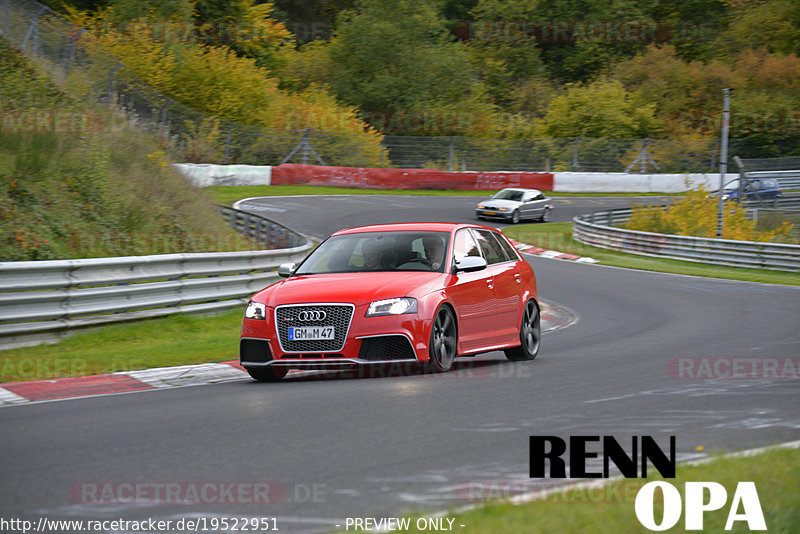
x,y
254,351
336,315
386,348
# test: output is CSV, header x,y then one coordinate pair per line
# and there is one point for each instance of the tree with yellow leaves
x,y
230,82
695,214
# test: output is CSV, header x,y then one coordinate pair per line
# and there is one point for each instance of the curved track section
x,y
320,216
337,447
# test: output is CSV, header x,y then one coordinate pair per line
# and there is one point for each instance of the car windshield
x,y
509,194
732,186
378,251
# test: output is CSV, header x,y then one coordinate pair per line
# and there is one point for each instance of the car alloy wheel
x,y
515,217
442,349
546,215
530,335
267,374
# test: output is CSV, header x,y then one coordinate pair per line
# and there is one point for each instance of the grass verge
x,y
227,195
175,340
776,474
78,181
558,236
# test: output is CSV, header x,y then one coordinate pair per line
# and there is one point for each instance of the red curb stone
x,y
81,386
235,363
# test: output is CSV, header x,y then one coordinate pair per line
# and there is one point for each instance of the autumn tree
x,y
600,109
215,80
773,25
399,57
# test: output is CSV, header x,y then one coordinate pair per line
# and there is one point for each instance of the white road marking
x,y
6,397
187,375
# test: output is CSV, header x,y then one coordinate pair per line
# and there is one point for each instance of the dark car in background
x,y
763,189
514,204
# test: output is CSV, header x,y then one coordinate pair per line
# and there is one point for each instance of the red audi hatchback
x,y
391,293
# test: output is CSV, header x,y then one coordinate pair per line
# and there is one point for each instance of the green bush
x,y
695,214
76,181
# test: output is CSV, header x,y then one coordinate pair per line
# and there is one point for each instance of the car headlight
x,y
392,307
725,197
502,209
481,207
255,310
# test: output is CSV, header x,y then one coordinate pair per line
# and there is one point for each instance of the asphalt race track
x,y
344,446
320,216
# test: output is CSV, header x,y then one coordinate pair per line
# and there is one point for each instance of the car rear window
x,y
492,250
511,252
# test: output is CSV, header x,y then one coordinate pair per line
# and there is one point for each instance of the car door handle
x,y
517,279
490,283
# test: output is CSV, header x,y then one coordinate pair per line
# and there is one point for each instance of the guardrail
x,y
786,203
597,229
261,229
40,301
786,179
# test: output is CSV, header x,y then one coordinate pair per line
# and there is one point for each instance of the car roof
x,y
766,182
523,189
411,227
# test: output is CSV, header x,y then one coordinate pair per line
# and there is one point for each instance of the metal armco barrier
x,y
261,229
785,170
785,204
786,179
597,229
42,300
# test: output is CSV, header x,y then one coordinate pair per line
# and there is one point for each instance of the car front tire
x,y
267,374
530,335
546,215
443,343
515,217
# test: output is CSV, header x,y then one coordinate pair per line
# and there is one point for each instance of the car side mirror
x,y
285,270
469,264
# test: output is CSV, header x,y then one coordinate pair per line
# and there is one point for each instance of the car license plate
x,y
311,333
490,212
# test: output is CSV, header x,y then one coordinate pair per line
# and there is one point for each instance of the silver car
x,y
515,204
